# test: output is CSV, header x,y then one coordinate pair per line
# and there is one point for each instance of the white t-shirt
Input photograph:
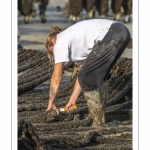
x,y
76,42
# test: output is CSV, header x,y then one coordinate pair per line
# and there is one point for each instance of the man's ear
x,y
53,40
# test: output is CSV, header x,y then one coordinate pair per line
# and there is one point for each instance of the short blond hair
x,y
55,30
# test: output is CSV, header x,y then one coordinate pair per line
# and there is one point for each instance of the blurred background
x,y
35,17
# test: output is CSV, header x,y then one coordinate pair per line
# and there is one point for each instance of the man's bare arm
x,y
55,83
74,96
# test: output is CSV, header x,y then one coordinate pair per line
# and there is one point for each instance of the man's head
x,y
51,40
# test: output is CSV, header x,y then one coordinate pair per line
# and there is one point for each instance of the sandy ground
x,y
33,34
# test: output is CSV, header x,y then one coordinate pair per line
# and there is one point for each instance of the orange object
x,y
64,109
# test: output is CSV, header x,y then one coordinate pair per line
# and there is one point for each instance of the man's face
x,y
51,48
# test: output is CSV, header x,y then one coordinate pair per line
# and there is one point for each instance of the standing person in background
x,y
126,10
94,45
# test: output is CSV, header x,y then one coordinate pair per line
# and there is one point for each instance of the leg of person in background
x,y
42,8
127,6
75,8
116,8
102,8
89,6
25,8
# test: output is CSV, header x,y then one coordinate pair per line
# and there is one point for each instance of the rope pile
x,y
41,130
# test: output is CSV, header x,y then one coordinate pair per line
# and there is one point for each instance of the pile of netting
x,y
41,130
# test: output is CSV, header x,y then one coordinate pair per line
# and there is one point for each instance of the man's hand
x,y
52,107
69,107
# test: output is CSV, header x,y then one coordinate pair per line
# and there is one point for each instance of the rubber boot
x,y
96,102
103,95
117,16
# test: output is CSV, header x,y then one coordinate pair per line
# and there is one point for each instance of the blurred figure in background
x,y
102,8
66,10
122,7
75,8
127,7
89,6
27,9
119,8
42,7
20,47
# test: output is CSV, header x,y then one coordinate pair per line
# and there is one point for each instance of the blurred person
x,y
20,47
127,7
94,45
27,9
75,8
122,7
89,6
102,8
